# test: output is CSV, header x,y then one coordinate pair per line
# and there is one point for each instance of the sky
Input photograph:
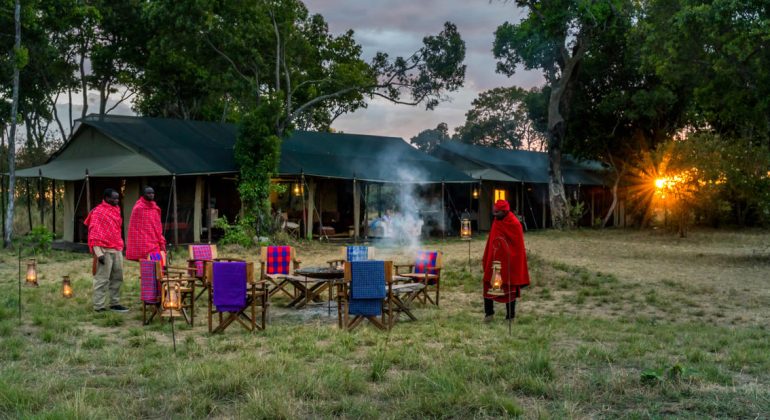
x,y
397,27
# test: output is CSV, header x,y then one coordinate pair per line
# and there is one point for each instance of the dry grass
x,y
616,324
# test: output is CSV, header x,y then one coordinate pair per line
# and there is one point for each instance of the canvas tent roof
x,y
125,146
521,165
367,158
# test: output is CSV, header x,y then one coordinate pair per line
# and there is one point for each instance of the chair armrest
x,y
177,269
336,262
397,266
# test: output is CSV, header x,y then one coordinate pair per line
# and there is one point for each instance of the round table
x,y
326,273
321,273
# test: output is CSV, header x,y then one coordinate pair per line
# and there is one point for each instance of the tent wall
x,y
131,192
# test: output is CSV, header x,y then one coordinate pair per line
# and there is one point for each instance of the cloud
x,y
397,28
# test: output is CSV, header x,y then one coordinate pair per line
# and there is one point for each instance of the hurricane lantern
x,y
31,272
497,280
172,296
475,193
297,190
66,287
465,229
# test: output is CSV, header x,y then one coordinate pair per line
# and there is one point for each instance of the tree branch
x,y
316,100
123,97
229,60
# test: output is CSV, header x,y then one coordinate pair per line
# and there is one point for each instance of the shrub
x,y
238,233
39,238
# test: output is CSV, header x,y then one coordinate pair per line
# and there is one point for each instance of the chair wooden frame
x,y
423,295
256,296
343,256
202,285
392,305
278,281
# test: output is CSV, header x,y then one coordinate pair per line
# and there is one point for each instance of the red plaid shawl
x,y
104,227
278,259
506,244
201,253
150,288
425,262
145,234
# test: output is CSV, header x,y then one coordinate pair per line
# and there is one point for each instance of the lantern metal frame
x,y
31,274
171,300
466,234
297,189
67,291
495,288
171,296
498,243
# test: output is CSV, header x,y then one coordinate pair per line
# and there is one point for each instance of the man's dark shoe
x,y
100,310
118,308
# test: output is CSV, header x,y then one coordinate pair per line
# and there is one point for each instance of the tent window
x,y
499,194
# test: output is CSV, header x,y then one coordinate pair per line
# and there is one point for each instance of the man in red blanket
x,y
145,233
506,245
106,243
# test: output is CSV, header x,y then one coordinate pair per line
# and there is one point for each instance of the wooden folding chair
x,y
252,315
426,269
353,253
199,255
277,263
400,296
370,299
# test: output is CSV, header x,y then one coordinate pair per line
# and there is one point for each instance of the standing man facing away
x,y
145,233
106,243
506,245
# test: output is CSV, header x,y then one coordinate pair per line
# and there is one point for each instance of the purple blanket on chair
x,y
229,286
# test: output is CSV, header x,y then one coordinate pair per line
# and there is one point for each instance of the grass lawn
x,y
616,324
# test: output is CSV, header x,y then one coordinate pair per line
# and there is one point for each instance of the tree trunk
x,y
7,235
618,176
556,130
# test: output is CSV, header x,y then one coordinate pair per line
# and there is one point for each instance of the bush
x,y
39,238
238,233
576,212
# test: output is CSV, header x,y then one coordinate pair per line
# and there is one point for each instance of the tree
x,y
427,140
624,109
500,118
18,59
281,65
554,37
716,53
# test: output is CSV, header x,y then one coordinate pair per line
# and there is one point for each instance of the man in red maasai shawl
x,y
145,233
505,244
105,241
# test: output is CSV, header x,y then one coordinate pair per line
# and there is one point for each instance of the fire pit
x,y
326,273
